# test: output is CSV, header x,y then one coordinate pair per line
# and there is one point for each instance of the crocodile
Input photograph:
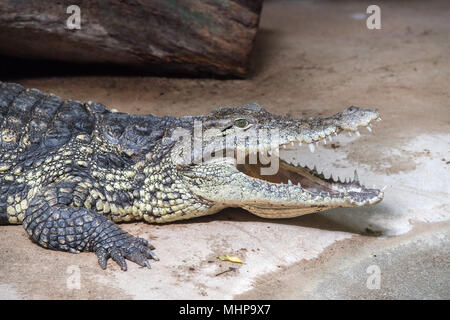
x,y
70,171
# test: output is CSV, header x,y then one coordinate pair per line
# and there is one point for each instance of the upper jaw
x,y
311,132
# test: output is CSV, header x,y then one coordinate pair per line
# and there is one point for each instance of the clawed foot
x,y
128,247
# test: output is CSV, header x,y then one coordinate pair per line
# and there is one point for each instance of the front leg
x,y
53,223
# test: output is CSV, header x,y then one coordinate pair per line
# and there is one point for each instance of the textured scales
x,y
70,170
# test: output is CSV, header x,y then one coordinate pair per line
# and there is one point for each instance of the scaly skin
x,y
70,170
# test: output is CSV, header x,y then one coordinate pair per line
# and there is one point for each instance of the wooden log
x,y
196,37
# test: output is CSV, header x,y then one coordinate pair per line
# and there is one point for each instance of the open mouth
x,y
294,177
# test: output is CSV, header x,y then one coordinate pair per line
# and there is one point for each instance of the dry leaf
x,y
231,259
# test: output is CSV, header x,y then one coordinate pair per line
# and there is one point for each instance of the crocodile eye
x,y
241,123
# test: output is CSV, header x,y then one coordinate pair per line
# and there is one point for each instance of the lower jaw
x,y
282,212
334,193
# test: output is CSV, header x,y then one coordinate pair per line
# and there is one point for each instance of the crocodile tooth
x,y
355,178
349,133
269,152
299,185
317,143
284,146
289,182
329,137
369,128
357,133
325,141
384,188
311,147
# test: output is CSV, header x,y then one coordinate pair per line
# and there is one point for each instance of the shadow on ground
x,y
320,221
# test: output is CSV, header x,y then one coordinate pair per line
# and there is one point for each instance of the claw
x,y
154,257
150,254
101,256
139,258
118,257
128,247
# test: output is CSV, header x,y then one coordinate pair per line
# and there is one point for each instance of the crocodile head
x,y
237,161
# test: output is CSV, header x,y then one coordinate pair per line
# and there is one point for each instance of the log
x,y
194,37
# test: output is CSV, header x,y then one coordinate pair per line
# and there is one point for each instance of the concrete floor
x,y
311,58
